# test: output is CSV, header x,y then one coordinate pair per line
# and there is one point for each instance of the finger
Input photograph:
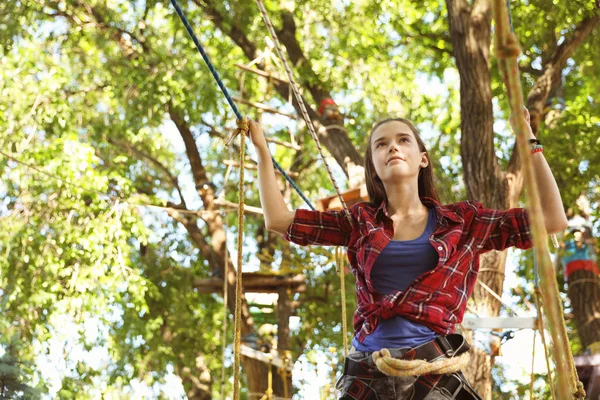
x,y
252,126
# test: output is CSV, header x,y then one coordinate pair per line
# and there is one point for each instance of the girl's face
x,y
396,153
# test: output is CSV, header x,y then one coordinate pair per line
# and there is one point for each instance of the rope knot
x,y
580,391
242,127
377,355
509,48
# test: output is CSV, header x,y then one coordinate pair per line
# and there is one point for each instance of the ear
x,y
424,160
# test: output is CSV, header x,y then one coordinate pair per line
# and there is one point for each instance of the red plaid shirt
x,y
436,299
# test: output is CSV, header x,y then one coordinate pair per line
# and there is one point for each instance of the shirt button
x,y
440,248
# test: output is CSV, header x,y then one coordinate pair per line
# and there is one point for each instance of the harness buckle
x,y
445,346
452,380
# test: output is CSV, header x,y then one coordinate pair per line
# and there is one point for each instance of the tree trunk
x,y
479,370
470,30
284,312
584,294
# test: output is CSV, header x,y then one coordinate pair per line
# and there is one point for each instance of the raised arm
x,y
555,219
278,217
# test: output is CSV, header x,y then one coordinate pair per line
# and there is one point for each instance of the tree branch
x,y
134,150
552,70
204,187
334,139
96,18
235,33
216,250
550,79
530,70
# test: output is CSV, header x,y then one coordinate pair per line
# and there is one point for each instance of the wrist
x,y
263,153
535,146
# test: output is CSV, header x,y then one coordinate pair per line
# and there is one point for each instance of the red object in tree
x,y
581,265
325,103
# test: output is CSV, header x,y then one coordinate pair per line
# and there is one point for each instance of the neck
x,y
403,199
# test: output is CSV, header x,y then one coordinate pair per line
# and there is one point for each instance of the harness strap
x,y
443,349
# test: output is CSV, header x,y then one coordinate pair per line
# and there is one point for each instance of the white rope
x,y
299,99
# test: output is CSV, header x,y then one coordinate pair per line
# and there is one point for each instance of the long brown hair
x,y
375,186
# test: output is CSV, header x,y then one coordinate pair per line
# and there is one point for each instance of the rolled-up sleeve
x,y
501,229
326,228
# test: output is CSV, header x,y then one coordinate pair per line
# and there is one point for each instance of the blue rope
x,y
536,275
215,74
512,29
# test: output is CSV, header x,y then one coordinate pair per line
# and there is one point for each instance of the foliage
x,y
12,374
87,91
518,390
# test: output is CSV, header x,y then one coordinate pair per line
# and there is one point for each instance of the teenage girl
x,y
415,260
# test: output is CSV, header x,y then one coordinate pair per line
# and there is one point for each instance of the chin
x,y
400,176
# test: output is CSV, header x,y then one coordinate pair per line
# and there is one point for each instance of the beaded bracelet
x,y
538,148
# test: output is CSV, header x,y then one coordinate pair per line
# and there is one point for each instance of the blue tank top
x,y
398,265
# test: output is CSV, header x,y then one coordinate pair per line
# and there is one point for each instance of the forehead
x,y
390,129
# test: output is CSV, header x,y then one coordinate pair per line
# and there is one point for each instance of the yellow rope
x,y
543,335
507,49
269,392
396,367
243,129
224,320
532,365
283,374
340,264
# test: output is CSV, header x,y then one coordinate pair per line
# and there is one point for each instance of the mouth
x,y
394,158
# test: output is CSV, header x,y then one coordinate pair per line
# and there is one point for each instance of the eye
x,y
378,145
405,140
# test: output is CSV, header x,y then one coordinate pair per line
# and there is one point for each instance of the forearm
x,y
278,216
553,211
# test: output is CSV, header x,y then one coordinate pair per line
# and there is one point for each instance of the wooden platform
x,y
267,358
255,282
351,197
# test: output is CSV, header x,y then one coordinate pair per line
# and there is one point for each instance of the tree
x,y
11,376
124,73
580,266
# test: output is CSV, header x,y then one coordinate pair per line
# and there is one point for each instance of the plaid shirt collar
x,y
444,214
